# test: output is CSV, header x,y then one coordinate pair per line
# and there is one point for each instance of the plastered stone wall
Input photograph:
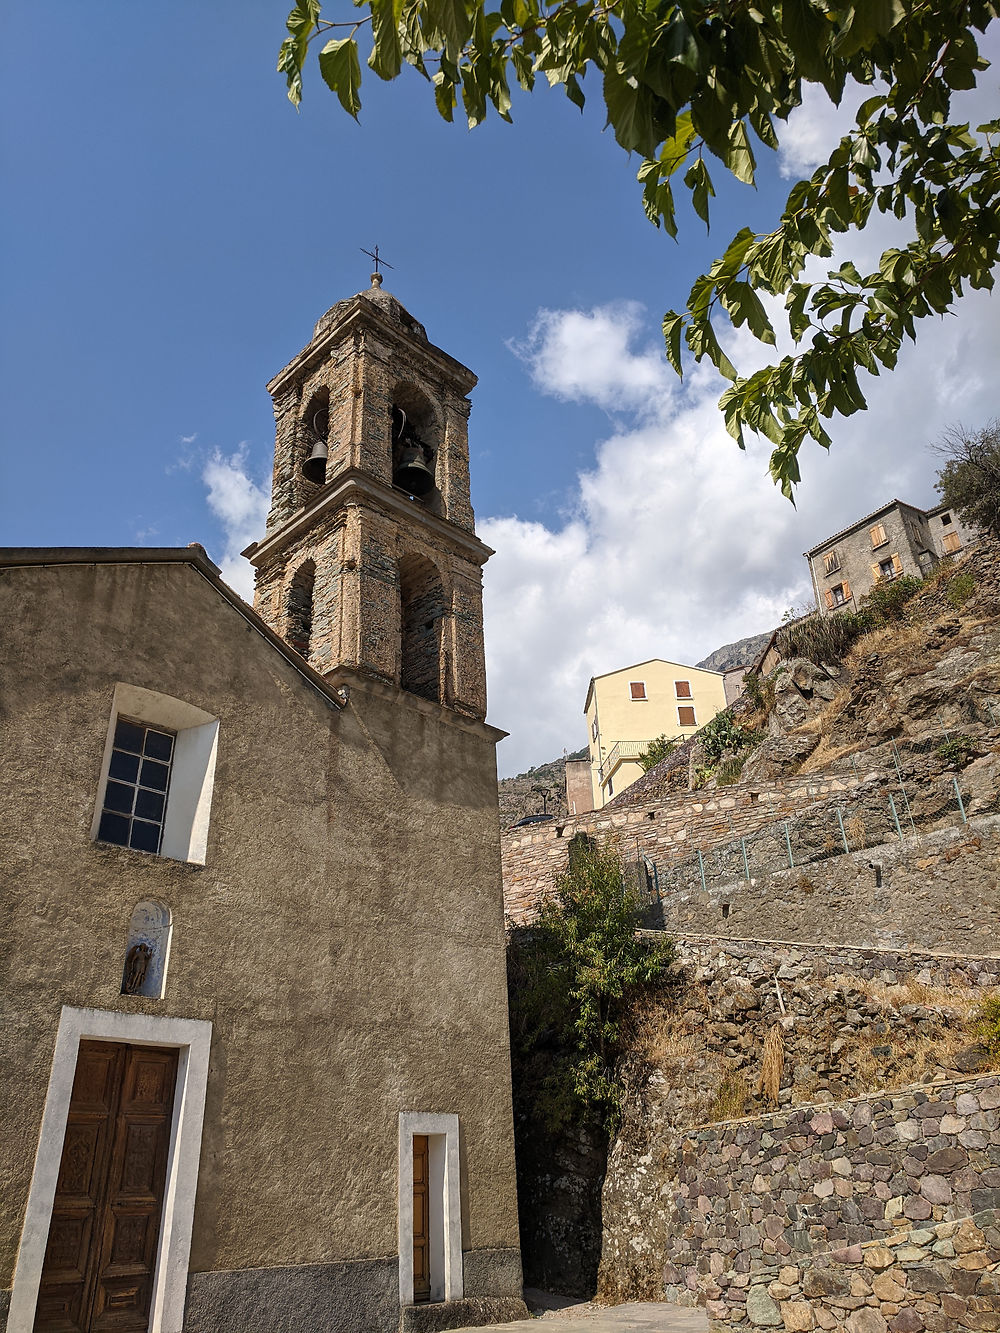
x,y
344,937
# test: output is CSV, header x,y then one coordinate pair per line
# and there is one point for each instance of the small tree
x,y
574,975
655,751
969,482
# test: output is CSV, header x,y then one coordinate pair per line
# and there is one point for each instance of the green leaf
x,y
453,21
673,326
341,70
386,57
699,183
740,159
301,24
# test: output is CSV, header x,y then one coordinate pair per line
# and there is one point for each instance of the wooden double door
x,y
97,1276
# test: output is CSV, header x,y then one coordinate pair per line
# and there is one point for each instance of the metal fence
x,y
893,803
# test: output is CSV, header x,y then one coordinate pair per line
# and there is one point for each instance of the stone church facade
x,y
254,1060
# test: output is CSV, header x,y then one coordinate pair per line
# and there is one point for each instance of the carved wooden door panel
x,y
421,1219
98,1271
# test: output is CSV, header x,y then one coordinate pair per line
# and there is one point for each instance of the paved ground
x,y
633,1318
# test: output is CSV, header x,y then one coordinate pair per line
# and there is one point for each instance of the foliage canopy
x,y
970,480
686,81
574,975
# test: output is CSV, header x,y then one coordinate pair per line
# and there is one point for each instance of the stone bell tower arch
x,y
370,564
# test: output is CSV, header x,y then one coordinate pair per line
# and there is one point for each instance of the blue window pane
x,y
125,767
159,745
154,775
128,736
119,797
149,804
113,828
145,837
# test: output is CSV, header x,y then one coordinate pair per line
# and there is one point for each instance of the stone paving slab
x,y
636,1317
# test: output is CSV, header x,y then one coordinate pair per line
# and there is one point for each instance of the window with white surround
x,y
682,688
685,717
443,1203
155,793
637,689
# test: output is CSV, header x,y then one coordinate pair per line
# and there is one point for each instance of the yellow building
x,y
627,709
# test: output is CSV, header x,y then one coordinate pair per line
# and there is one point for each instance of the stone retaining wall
x,y
899,894
533,857
938,1278
752,958
744,1196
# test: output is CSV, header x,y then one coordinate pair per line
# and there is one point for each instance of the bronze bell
x,y
412,473
314,468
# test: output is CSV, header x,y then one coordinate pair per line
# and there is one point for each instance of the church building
x,y
254,1064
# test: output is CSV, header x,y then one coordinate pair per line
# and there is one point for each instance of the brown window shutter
x,y
829,599
876,573
685,717
847,591
897,564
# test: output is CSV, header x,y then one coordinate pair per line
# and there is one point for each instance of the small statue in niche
x,y
136,966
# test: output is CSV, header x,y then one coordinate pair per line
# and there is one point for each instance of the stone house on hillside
x,y
254,1066
898,539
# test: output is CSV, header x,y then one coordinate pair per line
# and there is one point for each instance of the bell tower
x,y
370,565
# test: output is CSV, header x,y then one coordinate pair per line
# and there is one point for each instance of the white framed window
x,y
685,716
444,1205
637,689
593,728
155,792
682,689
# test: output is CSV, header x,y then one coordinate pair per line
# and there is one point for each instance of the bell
x,y
412,474
314,468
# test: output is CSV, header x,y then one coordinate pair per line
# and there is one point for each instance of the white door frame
x,y
192,1038
445,1205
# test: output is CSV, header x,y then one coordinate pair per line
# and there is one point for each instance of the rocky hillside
x,y
921,693
540,788
741,653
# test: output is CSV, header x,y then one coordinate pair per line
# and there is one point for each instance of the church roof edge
x,y
12,557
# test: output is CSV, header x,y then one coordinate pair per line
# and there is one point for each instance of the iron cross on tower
x,y
373,254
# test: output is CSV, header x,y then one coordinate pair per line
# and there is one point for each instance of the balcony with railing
x,y
620,751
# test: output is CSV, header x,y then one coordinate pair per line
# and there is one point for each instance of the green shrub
x,y
655,751
820,638
725,733
986,1025
885,604
960,589
573,976
760,691
957,751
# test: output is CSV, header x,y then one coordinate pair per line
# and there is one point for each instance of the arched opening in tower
x,y
414,451
299,608
316,429
422,609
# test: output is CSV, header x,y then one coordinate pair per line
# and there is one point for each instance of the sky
x,y
172,229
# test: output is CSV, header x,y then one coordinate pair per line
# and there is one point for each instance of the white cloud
x,y
577,354
240,504
677,542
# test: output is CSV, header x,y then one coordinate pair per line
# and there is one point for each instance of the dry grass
x,y
826,753
772,1065
660,1035
730,1100
857,832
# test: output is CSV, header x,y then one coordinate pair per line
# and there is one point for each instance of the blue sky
x,y
173,229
